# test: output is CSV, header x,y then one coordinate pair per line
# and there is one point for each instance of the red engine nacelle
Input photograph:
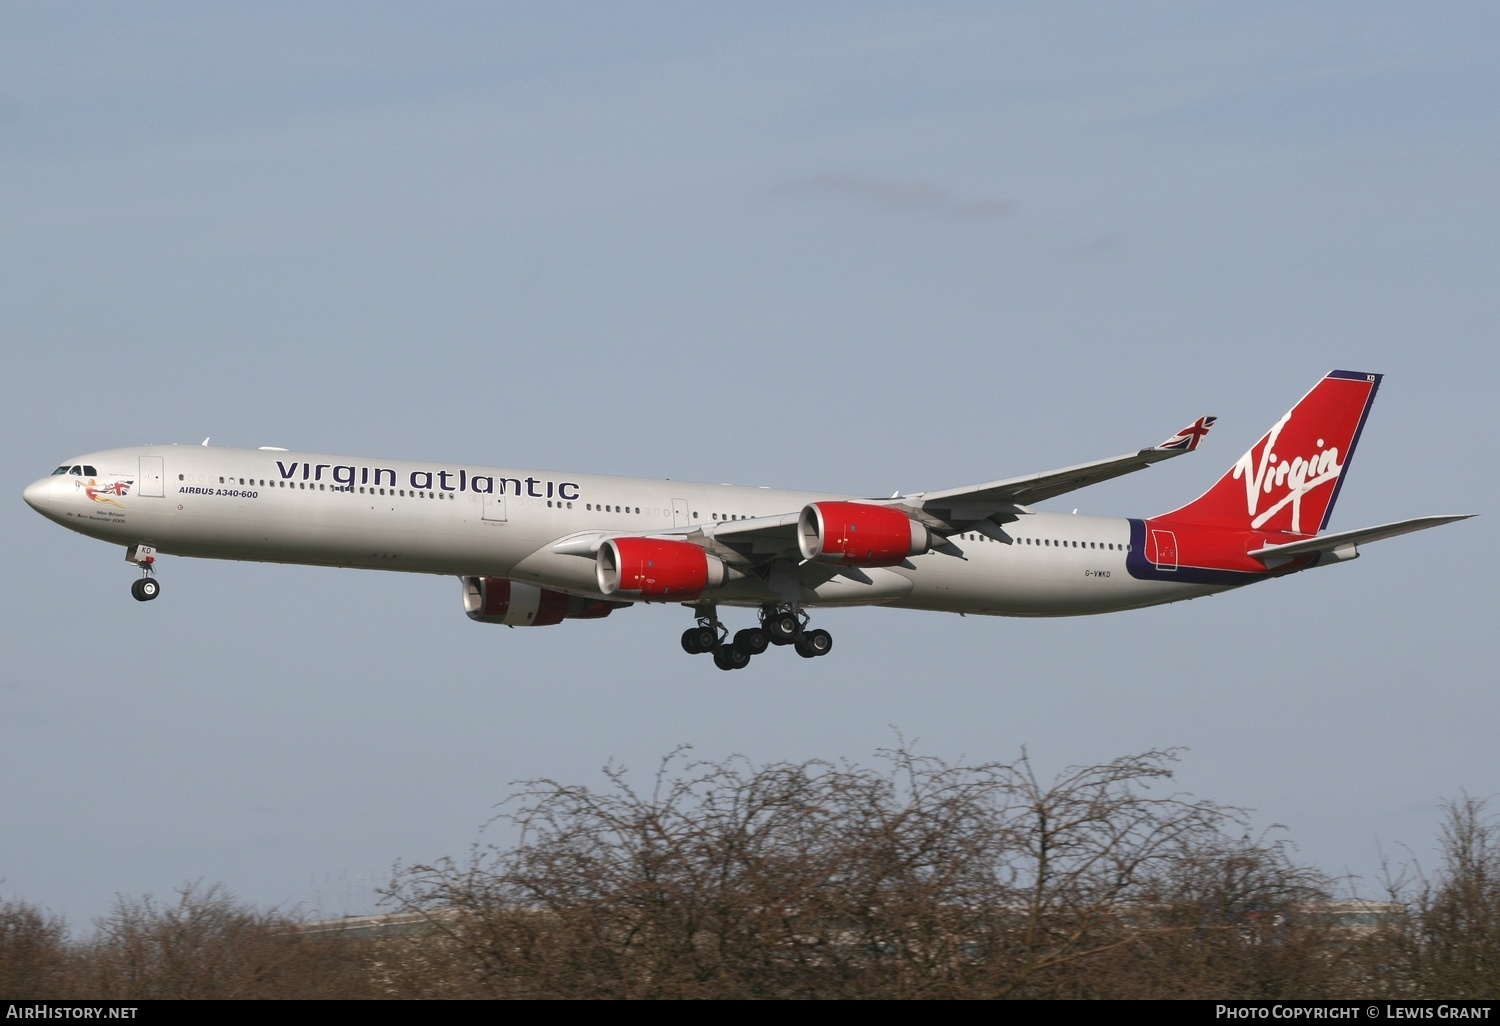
x,y
516,604
658,570
859,534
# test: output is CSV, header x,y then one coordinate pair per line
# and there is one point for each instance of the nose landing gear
x,y
147,588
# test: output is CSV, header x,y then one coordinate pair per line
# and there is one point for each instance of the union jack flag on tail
x,y
1188,438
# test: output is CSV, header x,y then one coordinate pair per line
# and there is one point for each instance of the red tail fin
x,y
1288,481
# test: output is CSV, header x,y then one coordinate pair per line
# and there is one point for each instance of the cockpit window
x,y
77,470
60,470
89,471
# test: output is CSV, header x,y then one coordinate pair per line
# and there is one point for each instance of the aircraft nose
x,y
36,495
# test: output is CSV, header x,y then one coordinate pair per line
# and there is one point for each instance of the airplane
x,y
534,548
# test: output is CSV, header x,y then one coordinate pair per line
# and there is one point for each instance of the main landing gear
x,y
787,626
779,625
147,588
711,636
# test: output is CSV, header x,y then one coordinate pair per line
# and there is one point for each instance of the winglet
x,y
1188,438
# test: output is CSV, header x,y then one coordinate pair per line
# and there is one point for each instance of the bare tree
x,y
205,944
913,879
34,956
1231,918
1447,942
909,878
1460,914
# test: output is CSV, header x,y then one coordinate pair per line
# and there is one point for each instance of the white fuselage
x,y
289,507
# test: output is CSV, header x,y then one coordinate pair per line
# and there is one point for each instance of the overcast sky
x,y
857,247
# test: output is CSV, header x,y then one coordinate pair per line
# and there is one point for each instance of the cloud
x,y
913,195
1101,245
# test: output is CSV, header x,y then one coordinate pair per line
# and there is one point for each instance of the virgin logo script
x,y
1299,475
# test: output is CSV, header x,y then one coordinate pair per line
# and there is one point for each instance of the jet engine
x,y
516,604
659,570
859,534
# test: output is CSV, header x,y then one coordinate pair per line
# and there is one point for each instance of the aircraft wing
x,y
1021,491
753,540
760,539
1341,539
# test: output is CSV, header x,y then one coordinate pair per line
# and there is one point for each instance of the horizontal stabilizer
x,y
1330,542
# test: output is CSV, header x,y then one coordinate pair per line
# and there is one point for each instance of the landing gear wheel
x,y
819,641
814,644
752,639
145,589
783,628
731,657
697,640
